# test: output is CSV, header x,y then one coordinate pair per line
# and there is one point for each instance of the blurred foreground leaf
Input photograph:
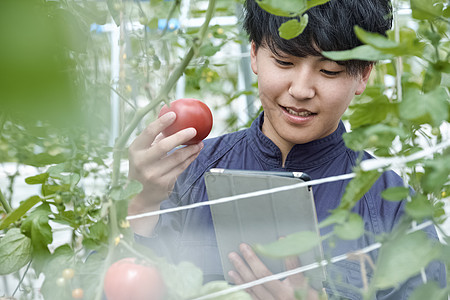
x,y
403,257
292,244
37,74
293,28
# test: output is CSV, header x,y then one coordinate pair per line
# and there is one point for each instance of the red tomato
x,y
190,113
126,279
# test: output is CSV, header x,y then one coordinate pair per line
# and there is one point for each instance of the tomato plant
x,y
129,279
190,113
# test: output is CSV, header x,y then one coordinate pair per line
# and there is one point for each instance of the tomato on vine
x,y
129,279
190,113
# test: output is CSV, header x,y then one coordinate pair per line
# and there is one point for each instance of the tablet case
x,y
263,219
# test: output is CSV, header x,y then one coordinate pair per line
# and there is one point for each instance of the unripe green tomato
x,y
60,282
58,199
435,131
373,140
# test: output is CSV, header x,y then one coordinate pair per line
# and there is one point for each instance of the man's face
x,y
303,98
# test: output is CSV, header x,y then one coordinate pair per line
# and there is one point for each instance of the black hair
x,y
330,28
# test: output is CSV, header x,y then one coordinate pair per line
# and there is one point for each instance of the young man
x,y
304,95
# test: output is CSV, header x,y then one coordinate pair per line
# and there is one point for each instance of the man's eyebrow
x,y
323,58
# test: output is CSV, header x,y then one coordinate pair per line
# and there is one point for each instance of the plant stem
x,y
119,145
22,278
140,113
175,4
5,203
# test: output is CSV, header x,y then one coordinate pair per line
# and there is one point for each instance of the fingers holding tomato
x,y
189,113
130,279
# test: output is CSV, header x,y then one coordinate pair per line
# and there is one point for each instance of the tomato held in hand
x,y
126,279
190,113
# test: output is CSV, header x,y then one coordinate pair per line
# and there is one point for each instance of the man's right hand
x,y
152,165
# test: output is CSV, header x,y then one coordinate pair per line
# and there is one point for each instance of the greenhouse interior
x,y
319,167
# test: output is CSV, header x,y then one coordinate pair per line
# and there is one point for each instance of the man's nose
x,y
302,87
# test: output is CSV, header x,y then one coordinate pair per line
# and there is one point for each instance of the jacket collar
x,y
301,156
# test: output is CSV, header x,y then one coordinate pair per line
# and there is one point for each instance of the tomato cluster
x,y
128,279
190,113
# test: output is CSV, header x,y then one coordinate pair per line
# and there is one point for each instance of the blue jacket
x,y
189,235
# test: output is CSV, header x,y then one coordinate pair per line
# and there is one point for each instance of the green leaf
x,y
153,24
395,193
293,28
402,258
63,257
312,3
423,10
208,49
352,229
37,179
36,226
97,236
15,251
363,52
429,290
419,208
432,79
23,208
291,245
431,108
58,172
45,159
286,8
92,270
437,172
372,112
375,40
379,135
446,12
66,217
338,216
131,189
357,187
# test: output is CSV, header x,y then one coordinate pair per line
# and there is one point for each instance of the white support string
x,y
398,161
299,270
246,195
366,165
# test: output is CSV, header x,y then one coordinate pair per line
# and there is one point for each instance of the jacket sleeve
x,y
166,233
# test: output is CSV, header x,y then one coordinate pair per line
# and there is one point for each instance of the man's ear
x,y
363,80
253,52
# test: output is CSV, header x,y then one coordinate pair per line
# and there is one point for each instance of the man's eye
x,y
283,63
330,73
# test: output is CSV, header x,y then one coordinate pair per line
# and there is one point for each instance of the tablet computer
x,y
265,218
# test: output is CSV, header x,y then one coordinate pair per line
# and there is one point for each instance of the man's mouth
x,y
303,113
